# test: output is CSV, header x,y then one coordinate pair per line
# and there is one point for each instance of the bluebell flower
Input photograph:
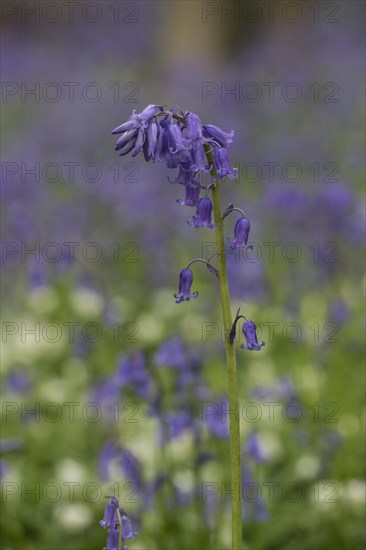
x,y
223,166
169,148
161,142
127,137
241,234
194,128
203,214
250,333
185,283
254,448
139,143
135,131
185,175
197,141
111,521
151,141
139,120
176,141
113,538
110,513
198,157
214,133
127,533
192,194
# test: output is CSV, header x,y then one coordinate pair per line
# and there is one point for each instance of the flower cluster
x,y
118,524
179,139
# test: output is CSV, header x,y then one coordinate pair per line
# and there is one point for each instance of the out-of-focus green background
x,y
109,240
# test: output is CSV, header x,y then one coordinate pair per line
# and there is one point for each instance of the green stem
x,y
230,362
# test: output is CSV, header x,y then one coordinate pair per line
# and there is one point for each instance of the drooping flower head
x,y
192,194
113,538
127,533
185,283
115,518
250,333
110,513
223,166
135,131
194,128
139,120
203,214
214,133
241,234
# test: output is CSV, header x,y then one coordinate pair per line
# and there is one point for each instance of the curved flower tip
x,y
185,283
250,333
214,133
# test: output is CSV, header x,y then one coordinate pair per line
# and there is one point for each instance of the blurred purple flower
x,y
177,423
18,381
108,452
4,468
152,488
254,507
171,354
339,312
215,418
132,371
131,467
11,444
106,394
254,448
